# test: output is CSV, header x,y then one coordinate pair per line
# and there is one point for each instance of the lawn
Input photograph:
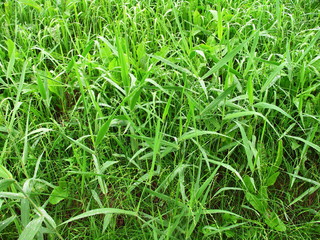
x,y
159,119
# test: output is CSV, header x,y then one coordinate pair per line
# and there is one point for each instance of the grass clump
x,y
159,119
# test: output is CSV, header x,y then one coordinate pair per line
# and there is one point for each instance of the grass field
x,y
159,119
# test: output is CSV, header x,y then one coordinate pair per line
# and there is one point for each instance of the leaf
x,y
106,221
316,147
88,48
11,195
227,166
247,147
250,90
6,222
4,173
113,48
249,183
53,85
4,183
214,211
197,133
240,114
85,148
31,229
273,107
102,183
279,154
12,55
215,103
309,191
107,164
259,204
249,113
31,3
226,59
210,230
47,217
42,88
310,46
59,193
104,129
272,78
183,70
274,222
272,179
101,211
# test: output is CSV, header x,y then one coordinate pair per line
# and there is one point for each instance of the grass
x,y
159,119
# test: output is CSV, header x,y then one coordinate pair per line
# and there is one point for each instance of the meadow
x,y
159,119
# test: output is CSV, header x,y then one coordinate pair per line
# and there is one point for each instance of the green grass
x,y
153,119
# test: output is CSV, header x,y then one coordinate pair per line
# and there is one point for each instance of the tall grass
x,y
159,119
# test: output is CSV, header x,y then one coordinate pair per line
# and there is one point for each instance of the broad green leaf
x,y
59,193
31,229
101,211
272,179
259,204
249,183
274,222
263,193
53,84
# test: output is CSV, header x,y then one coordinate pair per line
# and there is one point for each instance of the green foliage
x,y
159,119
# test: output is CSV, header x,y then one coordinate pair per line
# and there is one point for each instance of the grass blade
x,y
226,59
100,211
31,229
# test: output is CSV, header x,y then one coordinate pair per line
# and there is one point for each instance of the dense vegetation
x,y
159,119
